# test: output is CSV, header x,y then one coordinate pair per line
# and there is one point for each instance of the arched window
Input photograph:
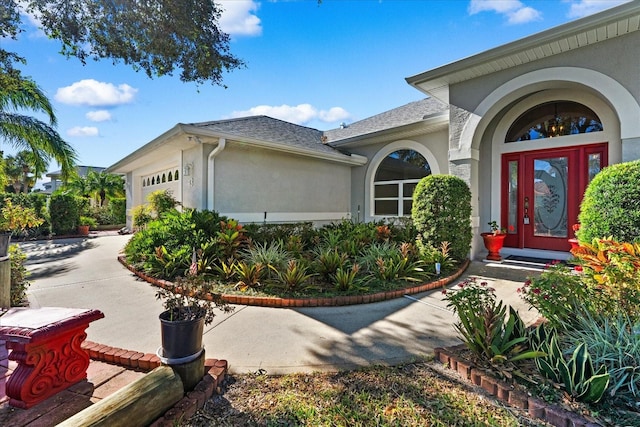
x,y
170,177
148,182
395,180
144,182
176,174
554,119
153,181
158,179
164,178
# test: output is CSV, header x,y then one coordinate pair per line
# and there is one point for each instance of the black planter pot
x,y
180,338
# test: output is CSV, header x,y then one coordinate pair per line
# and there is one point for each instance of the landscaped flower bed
x,y
584,357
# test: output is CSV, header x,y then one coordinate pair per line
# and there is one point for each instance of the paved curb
x,y
215,372
276,302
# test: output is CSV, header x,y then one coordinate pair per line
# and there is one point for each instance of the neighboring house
x,y
526,125
56,181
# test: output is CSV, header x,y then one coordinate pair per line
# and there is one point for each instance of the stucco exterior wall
x,y
249,181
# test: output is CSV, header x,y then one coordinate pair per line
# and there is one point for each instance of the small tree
x,y
611,205
442,213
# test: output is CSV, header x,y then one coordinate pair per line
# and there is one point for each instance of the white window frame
x,y
374,164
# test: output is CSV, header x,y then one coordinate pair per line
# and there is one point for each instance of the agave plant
x,y
577,374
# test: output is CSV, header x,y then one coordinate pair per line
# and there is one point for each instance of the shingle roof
x,y
268,129
413,112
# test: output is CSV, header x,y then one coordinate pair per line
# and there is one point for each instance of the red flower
x,y
536,291
577,268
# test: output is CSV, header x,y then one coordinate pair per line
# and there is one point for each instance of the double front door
x,y
542,191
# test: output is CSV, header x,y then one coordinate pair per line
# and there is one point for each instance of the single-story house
x,y
526,125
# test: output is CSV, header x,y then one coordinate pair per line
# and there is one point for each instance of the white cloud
x,y
98,115
83,131
238,18
299,114
93,93
581,8
513,10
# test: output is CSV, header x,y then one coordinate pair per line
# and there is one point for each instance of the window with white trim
x,y
395,180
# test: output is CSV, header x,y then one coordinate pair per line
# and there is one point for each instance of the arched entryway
x,y
548,147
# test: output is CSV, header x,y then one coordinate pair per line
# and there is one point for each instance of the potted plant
x,y
15,219
189,304
494,241
85,223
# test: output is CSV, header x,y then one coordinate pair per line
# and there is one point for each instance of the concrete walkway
x,y
84,273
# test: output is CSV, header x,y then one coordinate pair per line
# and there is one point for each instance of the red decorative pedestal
x,y
46,344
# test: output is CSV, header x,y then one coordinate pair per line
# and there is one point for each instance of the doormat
x,y
534,262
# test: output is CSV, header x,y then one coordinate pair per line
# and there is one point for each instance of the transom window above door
x,y
554,119
395,180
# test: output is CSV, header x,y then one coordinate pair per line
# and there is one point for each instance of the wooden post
x,y
137,404
5,282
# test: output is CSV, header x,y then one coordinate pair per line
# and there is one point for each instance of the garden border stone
x,y
277,302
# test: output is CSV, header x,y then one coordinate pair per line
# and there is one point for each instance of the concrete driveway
x,y
85,273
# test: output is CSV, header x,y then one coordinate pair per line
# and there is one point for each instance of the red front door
x,y
542,191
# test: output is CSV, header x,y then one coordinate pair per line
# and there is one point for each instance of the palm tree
x,y
18,93
105,184
22,170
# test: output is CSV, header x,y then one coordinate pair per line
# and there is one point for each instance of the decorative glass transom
x,y
395,180
554,119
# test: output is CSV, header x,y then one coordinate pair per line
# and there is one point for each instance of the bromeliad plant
x,y
485,328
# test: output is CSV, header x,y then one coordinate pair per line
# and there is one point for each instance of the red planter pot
x,y
493,243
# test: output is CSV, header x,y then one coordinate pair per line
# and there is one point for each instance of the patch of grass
x,y
408,395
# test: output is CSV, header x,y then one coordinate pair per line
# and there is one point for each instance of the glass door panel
x,y
550,188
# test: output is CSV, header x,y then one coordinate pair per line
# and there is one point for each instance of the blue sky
x,y
315,65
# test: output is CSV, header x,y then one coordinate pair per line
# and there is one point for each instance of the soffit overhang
x,y
606,25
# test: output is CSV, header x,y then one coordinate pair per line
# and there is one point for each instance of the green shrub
x,y
442,213
64,213
611,204
177,232
162,201
118,210
19,283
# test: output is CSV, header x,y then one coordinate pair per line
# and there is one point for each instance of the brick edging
x,y
536,408
215,372
277,302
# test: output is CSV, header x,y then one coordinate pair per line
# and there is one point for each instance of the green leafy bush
x,y
442,213
64,213
178,232
19,273
117,208
611,204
